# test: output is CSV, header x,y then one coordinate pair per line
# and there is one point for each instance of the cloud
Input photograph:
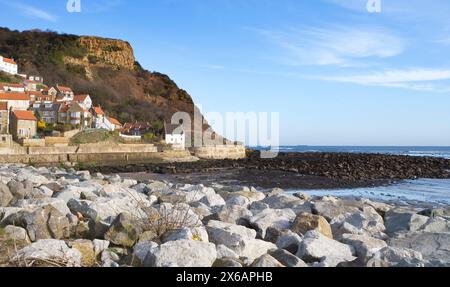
x,y
334,45
32,11
413,79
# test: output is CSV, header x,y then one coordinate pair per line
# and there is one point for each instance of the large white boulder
x,y
182,253
49,250
316,247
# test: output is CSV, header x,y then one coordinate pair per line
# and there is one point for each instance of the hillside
x,y
104,68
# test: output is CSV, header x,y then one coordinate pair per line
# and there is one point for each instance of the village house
x,y
74,114
116,123
33,85
83,100
136,129
4,118
16,101
23,124
8,65
39,97
47,112
11,88
175,136
50,93
64,94
101,121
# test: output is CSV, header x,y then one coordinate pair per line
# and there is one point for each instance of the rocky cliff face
x,y
112,53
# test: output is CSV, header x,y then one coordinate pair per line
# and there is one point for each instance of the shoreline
x,y
304,171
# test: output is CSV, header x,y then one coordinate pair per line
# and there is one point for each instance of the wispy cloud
x,y
31,11
413,79
334,45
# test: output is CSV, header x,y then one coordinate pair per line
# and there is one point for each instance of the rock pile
x,y
71,218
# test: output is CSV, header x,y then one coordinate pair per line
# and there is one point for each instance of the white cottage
x,y
8,65
175,136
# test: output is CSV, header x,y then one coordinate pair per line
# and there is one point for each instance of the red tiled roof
x,y
24,115
80,98
3,106
98,111
115,121
14,96
11,61
64,89
11,85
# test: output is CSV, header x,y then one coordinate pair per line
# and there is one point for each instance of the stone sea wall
x,y
220,152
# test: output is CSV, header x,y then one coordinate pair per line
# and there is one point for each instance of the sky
x,y
336,73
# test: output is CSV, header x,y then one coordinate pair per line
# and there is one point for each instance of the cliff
x,y
104,68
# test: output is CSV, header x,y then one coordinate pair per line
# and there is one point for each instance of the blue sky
x,y
337,74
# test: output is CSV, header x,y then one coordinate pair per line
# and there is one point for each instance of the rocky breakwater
x,y
62,217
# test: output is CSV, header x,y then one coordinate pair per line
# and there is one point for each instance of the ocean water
x,y
410,150
424,192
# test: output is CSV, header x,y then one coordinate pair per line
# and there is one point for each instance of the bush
x,y
64,128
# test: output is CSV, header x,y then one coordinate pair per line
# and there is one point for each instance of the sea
x,y
422,192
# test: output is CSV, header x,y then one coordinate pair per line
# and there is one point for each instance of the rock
x,y
5,195
258,205
58,204
435,212
148,235
287,259
391,256
44,251
107,209
432,246
231,235
266,261
305,222
15,233
380,207
364,246
332,209
41,223
238,200
31,176
124,231
212,200
252,196
238,238
182,253
287,201
289,241
276,218
42,192
20,190
366,222
84,175
231,213
100,246
225,252
403,220
178,234
86,249
227,263
302,196
110,258
436,225
157,186
274,192
140,252
316,247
